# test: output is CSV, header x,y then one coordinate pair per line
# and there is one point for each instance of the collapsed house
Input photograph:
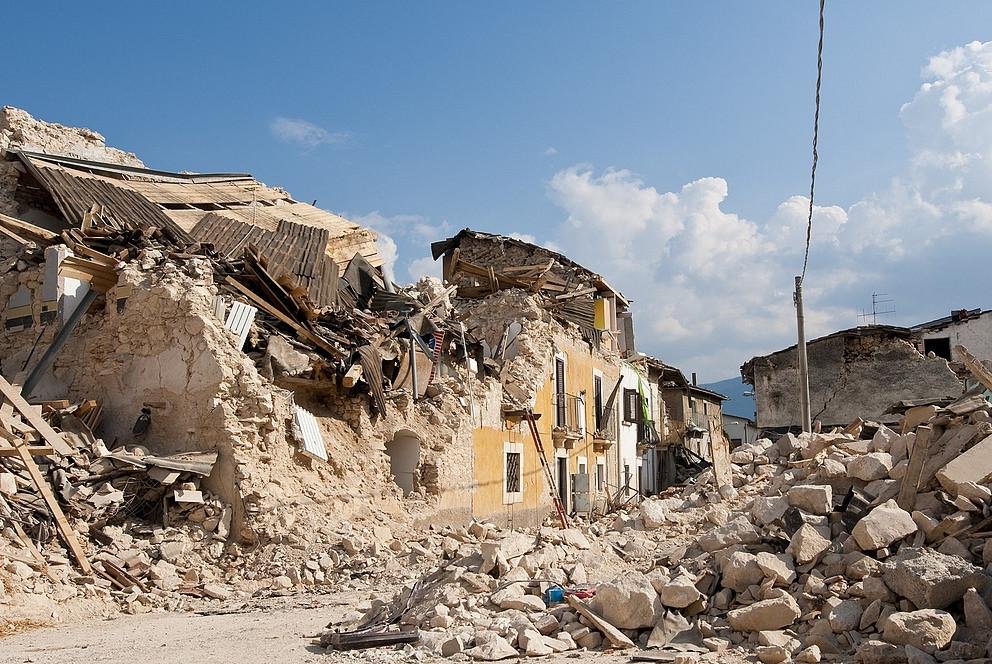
x,y
971,328
222,371
557,335
864,543
860,372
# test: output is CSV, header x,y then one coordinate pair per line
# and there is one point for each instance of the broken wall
x,y
849,377
20,131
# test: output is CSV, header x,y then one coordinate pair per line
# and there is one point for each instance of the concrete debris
x,y
154,463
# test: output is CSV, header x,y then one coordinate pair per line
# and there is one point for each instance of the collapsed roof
x,y
193,207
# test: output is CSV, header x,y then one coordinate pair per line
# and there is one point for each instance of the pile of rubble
x,y
869,542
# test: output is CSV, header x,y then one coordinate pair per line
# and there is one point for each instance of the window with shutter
x,y
597,388
560,392
631,406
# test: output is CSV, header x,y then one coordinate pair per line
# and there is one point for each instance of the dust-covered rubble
x,y
813,559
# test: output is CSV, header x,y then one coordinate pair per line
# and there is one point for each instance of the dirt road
x,y
277,634
278,631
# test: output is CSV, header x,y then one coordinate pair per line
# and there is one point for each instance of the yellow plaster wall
x,y
487,500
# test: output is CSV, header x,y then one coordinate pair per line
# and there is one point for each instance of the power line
x,y
816,133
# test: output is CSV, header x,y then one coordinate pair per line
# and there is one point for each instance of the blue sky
x,y
565,121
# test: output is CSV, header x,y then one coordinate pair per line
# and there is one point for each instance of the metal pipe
x,y
60,340
803,366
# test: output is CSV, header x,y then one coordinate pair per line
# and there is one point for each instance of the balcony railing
x,y
647,434
569,424
605,435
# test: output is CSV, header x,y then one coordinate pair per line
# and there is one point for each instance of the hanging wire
x,y
816,132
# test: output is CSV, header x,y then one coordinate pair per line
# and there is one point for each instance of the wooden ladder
x,y
548,475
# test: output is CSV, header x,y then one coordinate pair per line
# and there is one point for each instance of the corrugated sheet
x,y
75,193
293,249
313,440
239,321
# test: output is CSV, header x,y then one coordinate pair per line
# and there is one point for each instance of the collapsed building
x,y
224,370
860,372
971,328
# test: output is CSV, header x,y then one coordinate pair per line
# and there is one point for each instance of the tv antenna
x,y
877,308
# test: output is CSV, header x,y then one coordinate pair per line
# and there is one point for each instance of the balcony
x,y
647,435
569,421
604,437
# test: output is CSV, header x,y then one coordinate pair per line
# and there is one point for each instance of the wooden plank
x,y
352,375
65,529
947,448
32,417
299,329
977,369
911,480
35,450
616,638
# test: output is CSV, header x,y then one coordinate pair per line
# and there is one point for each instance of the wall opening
x,y
404,460
941,347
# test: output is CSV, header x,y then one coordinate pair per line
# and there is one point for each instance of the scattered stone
x,y
926,629
884,525
767,614
929,579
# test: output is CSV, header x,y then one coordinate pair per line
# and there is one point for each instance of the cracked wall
x,y
849,377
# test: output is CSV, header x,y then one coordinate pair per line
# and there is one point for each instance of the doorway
x,y
563,481
404,459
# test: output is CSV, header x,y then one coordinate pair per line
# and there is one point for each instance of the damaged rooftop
x,y
218,403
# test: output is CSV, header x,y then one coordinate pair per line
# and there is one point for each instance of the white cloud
x,y
407,234
389,253
550,151
424,267
712,288
304,133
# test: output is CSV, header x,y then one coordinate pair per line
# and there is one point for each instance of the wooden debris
x,y
616,638
977,369
34,418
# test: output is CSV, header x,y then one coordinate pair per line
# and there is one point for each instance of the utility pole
x,y
801,354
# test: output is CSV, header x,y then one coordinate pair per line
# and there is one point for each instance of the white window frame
x,y
512,497
563,389
600,463
580,463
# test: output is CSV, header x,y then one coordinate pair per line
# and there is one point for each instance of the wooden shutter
x,y
560,391
597,389
631,407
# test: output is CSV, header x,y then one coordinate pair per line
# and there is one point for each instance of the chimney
x,y
694,379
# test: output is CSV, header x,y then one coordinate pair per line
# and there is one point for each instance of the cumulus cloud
x,y
303,133
406,234
712,288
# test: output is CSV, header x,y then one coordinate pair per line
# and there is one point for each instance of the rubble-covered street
x,y
230,433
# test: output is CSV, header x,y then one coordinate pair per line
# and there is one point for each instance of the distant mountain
x,y
738,404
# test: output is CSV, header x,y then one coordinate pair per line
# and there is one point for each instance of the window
x,y
560,419
597,392
631,406
600,473
513,480
940,347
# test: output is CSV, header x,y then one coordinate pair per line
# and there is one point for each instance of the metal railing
x,y
568,411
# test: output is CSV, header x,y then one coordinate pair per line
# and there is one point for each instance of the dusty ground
x,y
276,631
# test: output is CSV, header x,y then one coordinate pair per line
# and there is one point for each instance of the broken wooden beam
x,y
352,375
616,638
911,480
975,366
299,329
65,528
34,418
